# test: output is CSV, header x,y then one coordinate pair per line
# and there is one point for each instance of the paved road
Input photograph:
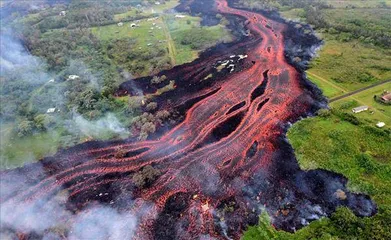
x,y
358,90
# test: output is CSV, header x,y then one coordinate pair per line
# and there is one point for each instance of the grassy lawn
x,y
329,89
344,63
361,153
113,31
16,152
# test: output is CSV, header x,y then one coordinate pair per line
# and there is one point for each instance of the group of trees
x,y
40,122
147,122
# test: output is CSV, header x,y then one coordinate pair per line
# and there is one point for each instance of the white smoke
x,y
16,62
51,219
108,125
103,223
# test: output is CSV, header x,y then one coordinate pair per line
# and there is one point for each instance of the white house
x,y
380,124
360,109
180,16
63,13
73,77
51,110
120,24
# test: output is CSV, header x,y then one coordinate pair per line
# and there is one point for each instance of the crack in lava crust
x,y
228,153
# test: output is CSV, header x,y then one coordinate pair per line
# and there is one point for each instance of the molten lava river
x,y
210,175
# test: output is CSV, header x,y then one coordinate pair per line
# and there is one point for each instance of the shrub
x,y
146,176
323,113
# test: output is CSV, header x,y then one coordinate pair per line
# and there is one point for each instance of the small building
x,y
51,110
63,13
360,109
380,124
180,16
386,98
51,81
73,77
120,24
133,25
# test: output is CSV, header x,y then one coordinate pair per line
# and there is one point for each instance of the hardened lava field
x,y
211,175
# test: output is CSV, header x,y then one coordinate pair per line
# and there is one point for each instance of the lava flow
x,y
216,171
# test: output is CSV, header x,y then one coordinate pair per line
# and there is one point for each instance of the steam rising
x,y
104,126
95,222
16,62
103,223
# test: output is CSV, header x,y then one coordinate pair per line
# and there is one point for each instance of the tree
x,y
157,79
25,128
146,176
151,106
43,121
324,113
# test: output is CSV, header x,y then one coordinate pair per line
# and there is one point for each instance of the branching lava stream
x,y
224,164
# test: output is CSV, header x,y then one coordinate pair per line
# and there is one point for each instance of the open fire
x,y
213,173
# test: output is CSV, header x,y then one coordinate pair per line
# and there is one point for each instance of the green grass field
x,y
16,152
148,12
329,89
113,31
167,33
343,63
339,146
357,3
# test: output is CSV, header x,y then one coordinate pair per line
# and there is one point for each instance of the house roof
x,y
360,108
380,124
387,97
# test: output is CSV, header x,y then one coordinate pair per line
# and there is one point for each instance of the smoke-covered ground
x,y
208,177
